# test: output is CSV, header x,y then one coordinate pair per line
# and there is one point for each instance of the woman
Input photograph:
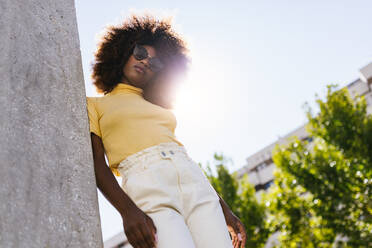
x,y
165,200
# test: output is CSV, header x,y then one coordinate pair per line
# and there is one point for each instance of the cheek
x,y
129,64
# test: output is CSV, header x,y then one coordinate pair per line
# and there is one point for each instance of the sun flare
x,y
201,97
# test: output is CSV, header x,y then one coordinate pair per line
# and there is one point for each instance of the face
x,y
133,75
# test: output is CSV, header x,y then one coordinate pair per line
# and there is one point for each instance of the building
x,y
260,166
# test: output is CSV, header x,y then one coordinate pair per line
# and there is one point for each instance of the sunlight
x,y
200,95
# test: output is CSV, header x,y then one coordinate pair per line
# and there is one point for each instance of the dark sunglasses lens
x,y
156,64
139,52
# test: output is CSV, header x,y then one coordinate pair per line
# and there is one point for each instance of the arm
x,y
224,205
106,181
235,226
138,226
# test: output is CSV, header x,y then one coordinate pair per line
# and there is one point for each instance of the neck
x,y
127,88
126,81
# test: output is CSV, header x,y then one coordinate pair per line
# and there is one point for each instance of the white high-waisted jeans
x,y
171,188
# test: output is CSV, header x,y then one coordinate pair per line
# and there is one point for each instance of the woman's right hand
x,y
139,228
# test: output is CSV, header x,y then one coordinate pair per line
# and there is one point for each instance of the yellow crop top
x,y
127,123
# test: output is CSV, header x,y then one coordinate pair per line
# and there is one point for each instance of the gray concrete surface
x,y
48,195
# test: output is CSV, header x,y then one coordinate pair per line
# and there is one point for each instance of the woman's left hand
x,y
236,229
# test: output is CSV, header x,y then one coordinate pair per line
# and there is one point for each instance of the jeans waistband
x,y
143,158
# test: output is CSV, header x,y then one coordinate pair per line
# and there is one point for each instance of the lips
x,y
140,69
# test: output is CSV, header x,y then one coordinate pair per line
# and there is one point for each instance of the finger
x,y
234,244
242,238
239,240
234,239
237,244
155,236
153,229
139,242
243,235
132,237
237,237
148,236
234,234
231,235
152,224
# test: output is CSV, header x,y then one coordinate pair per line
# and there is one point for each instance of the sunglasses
x,y
141,53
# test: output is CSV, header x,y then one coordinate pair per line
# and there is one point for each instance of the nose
x,y
145,62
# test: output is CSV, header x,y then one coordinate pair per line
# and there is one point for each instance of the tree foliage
x,y
321,193
240,196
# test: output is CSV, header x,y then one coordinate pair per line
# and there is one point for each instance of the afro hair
x,y
117,44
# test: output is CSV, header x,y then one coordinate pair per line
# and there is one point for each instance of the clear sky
x,y
254,64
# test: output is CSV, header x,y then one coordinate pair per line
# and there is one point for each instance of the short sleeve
x,y
93,116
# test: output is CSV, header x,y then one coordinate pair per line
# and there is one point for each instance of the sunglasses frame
x,y
155,63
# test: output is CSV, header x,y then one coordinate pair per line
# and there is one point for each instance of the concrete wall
x,y
48,195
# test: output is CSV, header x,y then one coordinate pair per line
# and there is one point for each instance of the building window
x,y
268,184
261,166
265,186
310,139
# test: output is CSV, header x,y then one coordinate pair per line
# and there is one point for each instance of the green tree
x,y
322,188
240,196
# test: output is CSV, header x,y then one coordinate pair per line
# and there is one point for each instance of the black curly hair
x,y
117,45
